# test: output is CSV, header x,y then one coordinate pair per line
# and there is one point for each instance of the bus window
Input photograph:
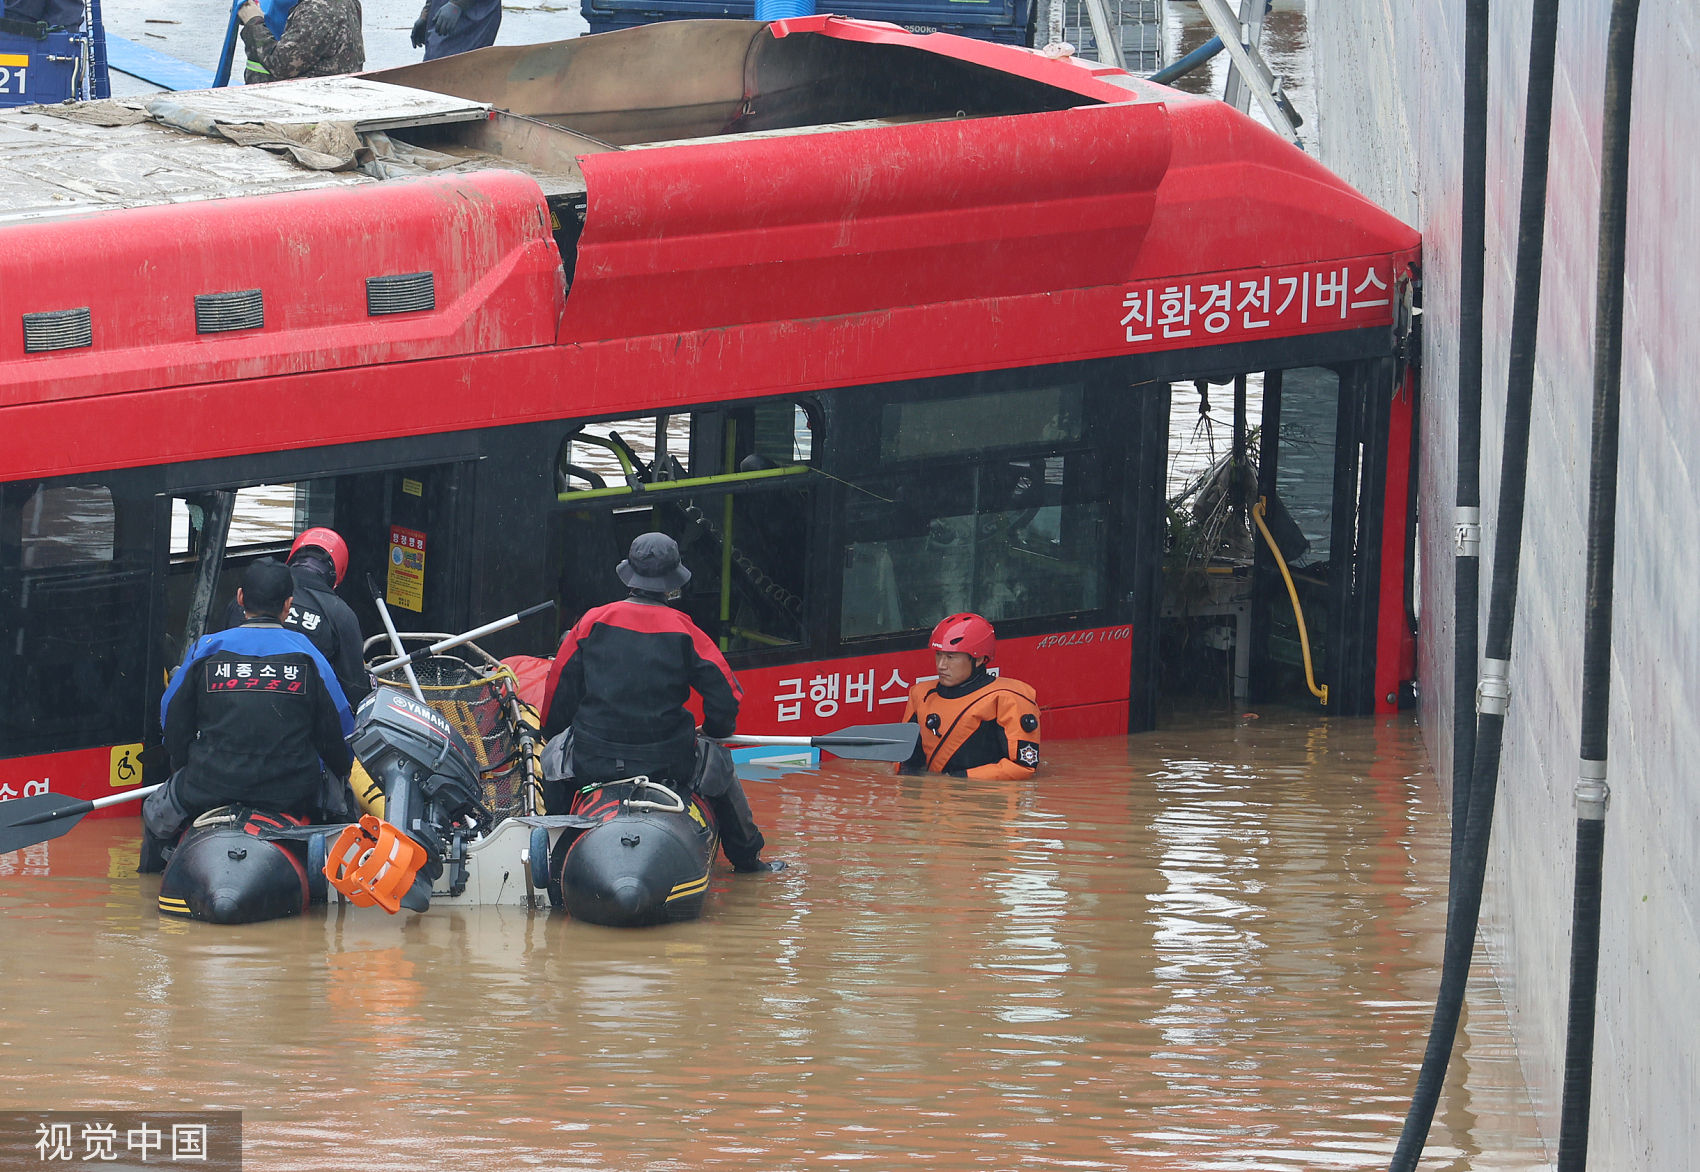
x,y
1007,538
266,516
74,596
730,485
976,423
1305,479
232,529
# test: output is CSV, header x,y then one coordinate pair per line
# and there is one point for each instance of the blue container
x,y
39,67
1006,21
782,9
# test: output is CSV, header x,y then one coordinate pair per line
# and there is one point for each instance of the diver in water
x,y
621,679
318,561
253,716
973,724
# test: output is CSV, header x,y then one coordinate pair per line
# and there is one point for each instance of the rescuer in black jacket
x,y
317,563
621,679
253,716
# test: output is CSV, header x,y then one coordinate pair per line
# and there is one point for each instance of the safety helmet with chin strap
x,y
328,540
965,634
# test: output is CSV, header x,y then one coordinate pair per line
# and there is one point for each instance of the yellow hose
x,y
1293,593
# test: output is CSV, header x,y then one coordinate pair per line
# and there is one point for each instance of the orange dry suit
x,y
987,726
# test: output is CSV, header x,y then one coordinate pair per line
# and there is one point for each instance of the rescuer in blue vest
x,y
254,716
446,27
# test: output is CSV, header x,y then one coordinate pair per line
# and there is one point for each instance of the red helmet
x,y
968,634
328,540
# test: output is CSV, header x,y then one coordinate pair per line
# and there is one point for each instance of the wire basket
x,y
483,706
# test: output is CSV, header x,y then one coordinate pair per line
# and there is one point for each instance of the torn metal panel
x,y
368,105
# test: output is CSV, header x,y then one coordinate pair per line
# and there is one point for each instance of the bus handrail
x,y
689,483
1321,693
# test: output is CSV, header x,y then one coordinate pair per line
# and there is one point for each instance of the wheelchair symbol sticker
x,y
126,766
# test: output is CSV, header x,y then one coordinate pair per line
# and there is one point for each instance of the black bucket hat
x,y
653,564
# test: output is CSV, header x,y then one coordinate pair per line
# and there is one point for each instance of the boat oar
x,y
27,821
864,742
456,641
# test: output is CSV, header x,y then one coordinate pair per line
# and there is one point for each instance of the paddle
x,y
27,821
456,641
864,742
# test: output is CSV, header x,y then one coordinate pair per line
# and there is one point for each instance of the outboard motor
x,y
431,795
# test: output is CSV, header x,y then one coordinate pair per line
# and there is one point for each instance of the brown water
x,y
1213,947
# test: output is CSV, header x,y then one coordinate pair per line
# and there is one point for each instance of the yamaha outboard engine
x,y
431,792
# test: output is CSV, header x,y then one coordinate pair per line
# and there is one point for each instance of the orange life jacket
x,y
1003,712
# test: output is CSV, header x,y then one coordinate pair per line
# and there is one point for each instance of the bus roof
x,y
535,109
833,201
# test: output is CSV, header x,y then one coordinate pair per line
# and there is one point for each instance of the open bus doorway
x,y
401,527
1273,604
733,486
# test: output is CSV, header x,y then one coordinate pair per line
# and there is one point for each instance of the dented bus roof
x,y
534,109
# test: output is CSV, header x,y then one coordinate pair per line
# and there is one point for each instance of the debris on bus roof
x,y
247,140
366,105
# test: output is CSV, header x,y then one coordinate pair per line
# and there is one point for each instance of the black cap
x,y
653,564
266,586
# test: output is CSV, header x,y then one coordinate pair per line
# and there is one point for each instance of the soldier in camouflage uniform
x,y
320,38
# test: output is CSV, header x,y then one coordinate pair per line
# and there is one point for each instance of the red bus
x,y
881,326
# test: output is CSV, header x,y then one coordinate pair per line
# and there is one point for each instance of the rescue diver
x,y
620,680
254,716
318,562
973,724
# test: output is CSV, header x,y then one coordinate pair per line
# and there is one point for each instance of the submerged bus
x,y
881,326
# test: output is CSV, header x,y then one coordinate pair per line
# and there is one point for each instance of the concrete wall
x,y
1391,113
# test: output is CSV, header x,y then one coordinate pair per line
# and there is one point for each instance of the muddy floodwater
x,y
1211,947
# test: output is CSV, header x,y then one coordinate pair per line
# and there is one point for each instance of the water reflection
x,y
1212,947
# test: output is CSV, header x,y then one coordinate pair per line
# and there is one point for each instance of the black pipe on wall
x,y
1467,565
1470,864
1592,792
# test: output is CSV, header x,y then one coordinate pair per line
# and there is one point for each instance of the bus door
x,y
401,527
733,486
408,533
213,535
1310,593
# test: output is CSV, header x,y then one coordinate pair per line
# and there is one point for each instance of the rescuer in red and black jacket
x,y
621,679
318,561
254,716
973,724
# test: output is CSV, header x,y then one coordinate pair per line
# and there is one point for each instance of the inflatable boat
x,y
442,825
